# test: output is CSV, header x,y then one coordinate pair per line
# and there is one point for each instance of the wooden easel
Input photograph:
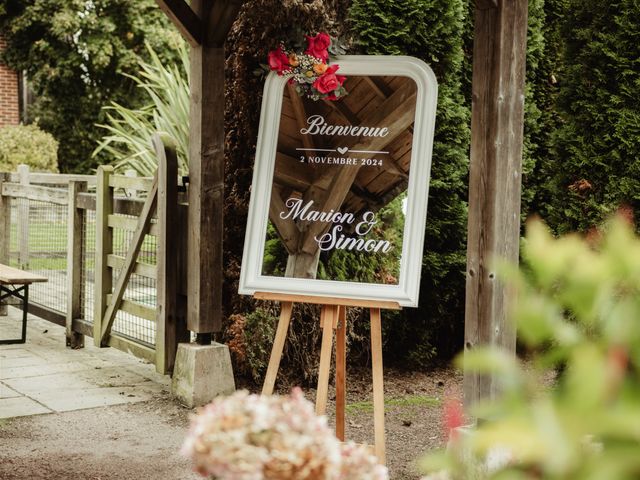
x,y
333,317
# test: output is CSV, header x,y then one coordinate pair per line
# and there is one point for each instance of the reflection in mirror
x,y
339,189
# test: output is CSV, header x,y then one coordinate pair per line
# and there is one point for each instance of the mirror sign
x,y
339,196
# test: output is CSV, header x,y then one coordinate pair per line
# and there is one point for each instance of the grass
x,y
48,246
410,401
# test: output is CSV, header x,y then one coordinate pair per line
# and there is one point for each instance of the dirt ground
x,y
142,441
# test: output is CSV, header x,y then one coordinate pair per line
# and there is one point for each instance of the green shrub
x,y
29,145
578,309
435,31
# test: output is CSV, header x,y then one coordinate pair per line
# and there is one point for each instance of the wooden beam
x,y
220,20
397,113
486,4
494,179
318,300
184,18
379,86
286,228
35,193
291,172
75,254
206,182
171,322
300,114
104,247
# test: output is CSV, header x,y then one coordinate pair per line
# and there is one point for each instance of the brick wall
x,y
9,96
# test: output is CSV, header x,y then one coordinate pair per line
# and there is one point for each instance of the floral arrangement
x,y
310,71
252,437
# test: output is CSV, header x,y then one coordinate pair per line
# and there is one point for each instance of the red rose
x,y
329,81
278,60
317,46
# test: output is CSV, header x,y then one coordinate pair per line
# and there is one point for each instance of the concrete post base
x,y
201,373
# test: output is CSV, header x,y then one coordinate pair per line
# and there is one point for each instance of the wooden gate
x,y
146,252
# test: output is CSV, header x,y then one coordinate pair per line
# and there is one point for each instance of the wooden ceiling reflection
x,y
373,102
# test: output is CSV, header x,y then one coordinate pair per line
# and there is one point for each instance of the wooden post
x,y
341,373
378,384
328,320
75,254
104,247
499,58
277,348
170,327
5,230
206,179
23,221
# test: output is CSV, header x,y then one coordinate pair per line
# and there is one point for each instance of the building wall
x,y
9,93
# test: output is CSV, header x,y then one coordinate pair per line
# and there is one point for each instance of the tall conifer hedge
x,y
596,161
435,31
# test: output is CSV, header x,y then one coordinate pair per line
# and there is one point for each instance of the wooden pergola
x,y
495,168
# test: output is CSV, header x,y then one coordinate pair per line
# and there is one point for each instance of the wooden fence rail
x,y
158,213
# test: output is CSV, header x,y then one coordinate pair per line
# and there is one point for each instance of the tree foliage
x,y
74,53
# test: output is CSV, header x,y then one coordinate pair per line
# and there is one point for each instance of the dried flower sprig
x,y
252,437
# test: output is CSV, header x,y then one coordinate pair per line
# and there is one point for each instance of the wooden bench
x,y
15,283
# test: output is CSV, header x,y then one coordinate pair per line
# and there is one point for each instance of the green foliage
x,y
435,31
130,129
74,53
346,265
578,309
27,144
259,332
545,47
275,255
595,166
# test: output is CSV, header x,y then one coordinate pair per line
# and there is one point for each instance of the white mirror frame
x,y
407,290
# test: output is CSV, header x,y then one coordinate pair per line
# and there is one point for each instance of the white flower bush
x,y
252,437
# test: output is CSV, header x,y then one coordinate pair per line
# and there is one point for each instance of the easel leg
x,y
341,372
278,346
328,318
378,384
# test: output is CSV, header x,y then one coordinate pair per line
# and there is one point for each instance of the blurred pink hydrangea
x,y
252,437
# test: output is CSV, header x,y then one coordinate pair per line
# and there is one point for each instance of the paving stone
x,y
44,372
40,370
6,392
79,399
20,407
85,378
13,351
23,361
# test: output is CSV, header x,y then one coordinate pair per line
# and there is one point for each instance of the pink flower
x,y
317,46
329,81
278,60
453,417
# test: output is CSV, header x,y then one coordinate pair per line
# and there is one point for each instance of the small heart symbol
x,y
342,150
